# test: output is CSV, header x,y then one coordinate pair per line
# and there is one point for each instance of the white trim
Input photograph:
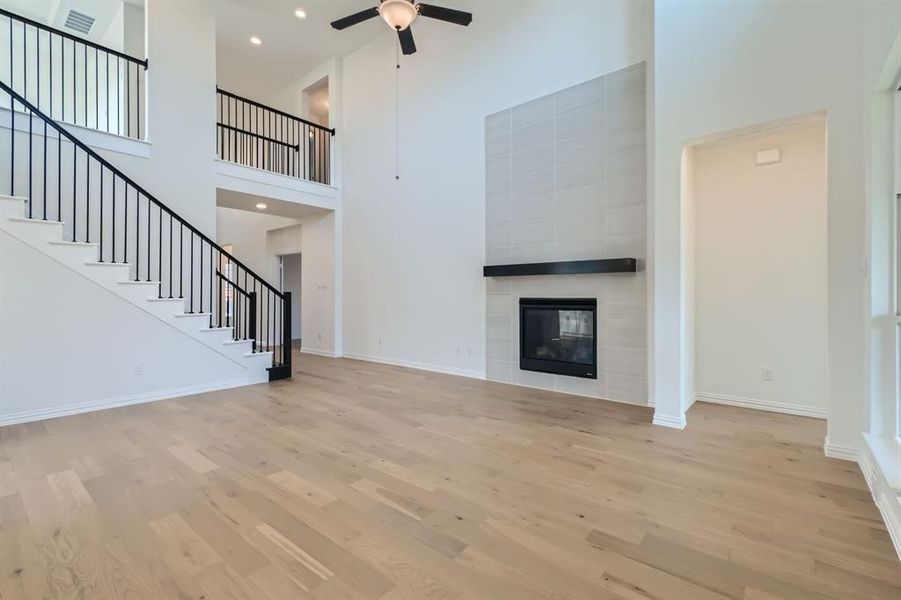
x,y
841,452
316,352
416,365
668,421
887,498
75,409
259,182
92,137
801,410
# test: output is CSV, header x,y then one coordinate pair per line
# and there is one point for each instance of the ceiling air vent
x,y
79,22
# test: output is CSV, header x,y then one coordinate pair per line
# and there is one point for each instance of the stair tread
x,y
97,263
38,221
65,243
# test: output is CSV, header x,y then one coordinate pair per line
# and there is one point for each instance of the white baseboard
x,y
768,405
417,365
886,497
668,421
84,407
841,452
316,352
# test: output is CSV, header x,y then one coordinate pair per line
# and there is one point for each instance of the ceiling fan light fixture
x,y
398,14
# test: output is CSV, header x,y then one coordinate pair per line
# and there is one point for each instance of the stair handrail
x,y
11,15
90,152
282,113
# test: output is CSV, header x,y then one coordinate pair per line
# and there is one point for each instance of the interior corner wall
x,y
759,236
414,247
724,79
247,233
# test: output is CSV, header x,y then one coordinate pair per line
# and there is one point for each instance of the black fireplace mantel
x,y
566,267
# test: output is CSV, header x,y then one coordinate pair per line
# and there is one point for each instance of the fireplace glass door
x,y
559,335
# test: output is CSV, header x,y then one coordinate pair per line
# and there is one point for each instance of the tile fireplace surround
x,y
566,180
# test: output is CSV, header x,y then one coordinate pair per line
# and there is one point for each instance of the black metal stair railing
x,y
255,135
65,180
71,79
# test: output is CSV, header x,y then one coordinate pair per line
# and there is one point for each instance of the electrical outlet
x,y
139,369
766,374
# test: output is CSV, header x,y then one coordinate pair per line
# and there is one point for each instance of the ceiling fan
x,y
400,14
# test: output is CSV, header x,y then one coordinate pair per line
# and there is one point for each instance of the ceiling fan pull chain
x,y
397,111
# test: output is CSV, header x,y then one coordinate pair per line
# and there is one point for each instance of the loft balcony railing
x,y
255,135
73,80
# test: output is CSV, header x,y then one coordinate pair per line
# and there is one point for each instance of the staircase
x,y
70,204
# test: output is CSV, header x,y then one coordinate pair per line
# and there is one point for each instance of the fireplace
x,y
559,335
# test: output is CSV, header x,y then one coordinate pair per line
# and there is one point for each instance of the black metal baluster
x,y
148,239
30,156
181,259
159,253
170,255
106,89
218,266
138,99
12,118
137,235
59,175
87,198
101,212
192,272
118,99
125,232
96,89
212,274
113,228
45,170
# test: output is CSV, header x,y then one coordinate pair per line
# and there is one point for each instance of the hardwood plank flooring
x,y
359,481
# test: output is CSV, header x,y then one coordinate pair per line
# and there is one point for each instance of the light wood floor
x,y
362,481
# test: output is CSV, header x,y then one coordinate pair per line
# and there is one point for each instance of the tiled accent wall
x,y
566,180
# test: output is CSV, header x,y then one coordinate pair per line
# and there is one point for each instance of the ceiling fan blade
x,y
407,45
363,15
458,17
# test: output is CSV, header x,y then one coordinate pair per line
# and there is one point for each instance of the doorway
x,y
289,280
757,256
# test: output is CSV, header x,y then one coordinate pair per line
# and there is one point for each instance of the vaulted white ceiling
x,y
291,47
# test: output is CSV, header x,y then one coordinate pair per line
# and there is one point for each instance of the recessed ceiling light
x,y
300,14
255,41
261,206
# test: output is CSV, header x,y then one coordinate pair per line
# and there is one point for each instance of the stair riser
x,y
166,310
12,207
106,274
237,351
215,337
35,232
73,255
136,293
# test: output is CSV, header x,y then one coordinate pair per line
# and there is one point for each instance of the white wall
x,y
727,78
259,238
414,248
760,270
247,233
181,92
319,296
69,345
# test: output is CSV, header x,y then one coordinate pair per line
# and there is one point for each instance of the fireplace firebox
x,y
559,335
